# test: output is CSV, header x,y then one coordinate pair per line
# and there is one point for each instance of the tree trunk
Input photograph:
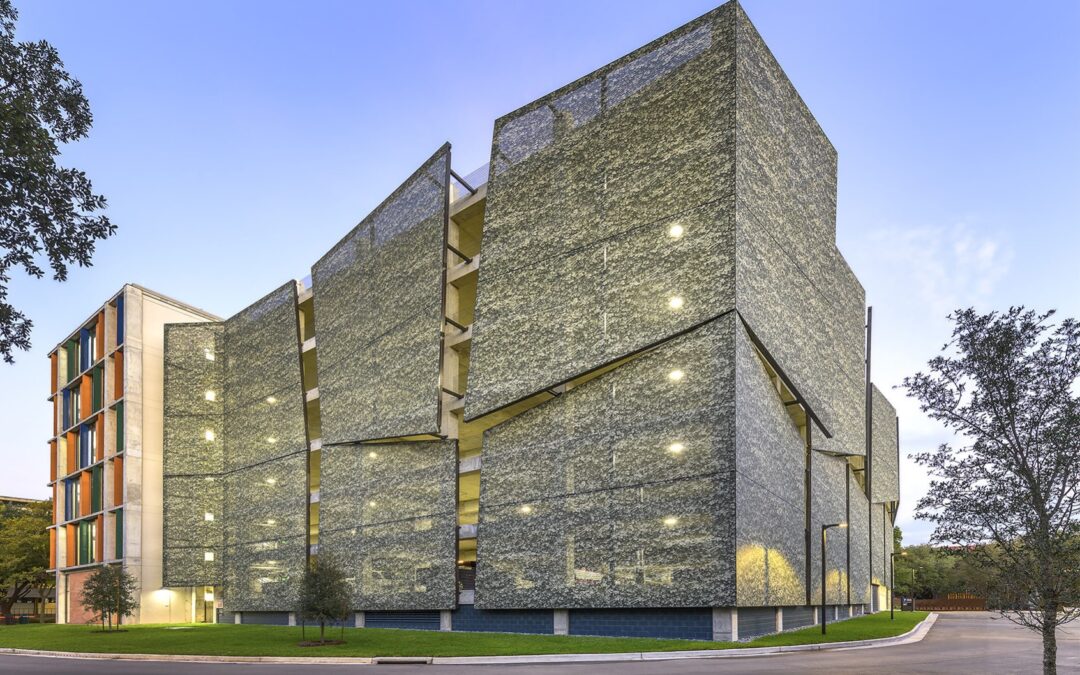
x,y
322,632
1049,639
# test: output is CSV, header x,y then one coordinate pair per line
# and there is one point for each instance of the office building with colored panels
x,y
615,383
105,384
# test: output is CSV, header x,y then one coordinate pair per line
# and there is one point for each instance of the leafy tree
x,y
24,553
110,593
1004,496
325,596
46,211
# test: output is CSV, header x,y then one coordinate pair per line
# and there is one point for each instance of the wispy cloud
x,y
914,277
950,266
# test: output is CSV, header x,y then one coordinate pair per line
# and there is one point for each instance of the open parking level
x,y
962,642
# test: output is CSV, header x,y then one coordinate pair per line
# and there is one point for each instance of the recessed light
x,y
676,375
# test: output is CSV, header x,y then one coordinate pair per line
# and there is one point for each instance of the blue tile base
x,y
686,624
538,621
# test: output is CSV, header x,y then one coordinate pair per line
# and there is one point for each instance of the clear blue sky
x,y
237,141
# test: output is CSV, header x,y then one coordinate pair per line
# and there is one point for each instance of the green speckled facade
x,y
193,459
388,514
607,199
829,506
885,485
859,534
379,314
620,492
794,289
235,455
770,458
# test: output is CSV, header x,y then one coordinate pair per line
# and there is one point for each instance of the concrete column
x,y
359,620
779,619
817,619
236,617
562,621
446,620
292,618
725,624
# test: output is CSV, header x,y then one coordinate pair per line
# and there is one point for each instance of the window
x,y
66,409
87,440
87,542
86,353
75,399
71,498
89,345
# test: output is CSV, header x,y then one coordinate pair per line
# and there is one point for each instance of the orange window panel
x,y
99,542
118,481
99,336
56,414
118,375
69,558
72,446
86,396
52,460
52,548
53,363
85,492
99,431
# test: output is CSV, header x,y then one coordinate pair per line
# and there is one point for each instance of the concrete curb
x,y
916,634
190,658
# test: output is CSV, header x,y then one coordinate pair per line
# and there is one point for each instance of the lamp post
x,y
824,529
892,590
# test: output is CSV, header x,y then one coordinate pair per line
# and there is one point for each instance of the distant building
x,y
105,451
18,501
32,602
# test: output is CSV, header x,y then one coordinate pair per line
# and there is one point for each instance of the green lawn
x,y
234,640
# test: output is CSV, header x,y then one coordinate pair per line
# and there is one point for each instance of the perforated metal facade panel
x,y
619,493
388,514
379,314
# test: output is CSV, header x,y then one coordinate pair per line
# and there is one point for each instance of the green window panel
x,y
119,538
85,543
98,379
72,348
95,489
120,427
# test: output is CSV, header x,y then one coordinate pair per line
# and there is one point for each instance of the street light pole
x,y
892,590
824,529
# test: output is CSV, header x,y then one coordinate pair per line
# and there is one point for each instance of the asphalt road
x,y
960,642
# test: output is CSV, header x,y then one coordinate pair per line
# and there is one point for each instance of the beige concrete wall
x,y
145,322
